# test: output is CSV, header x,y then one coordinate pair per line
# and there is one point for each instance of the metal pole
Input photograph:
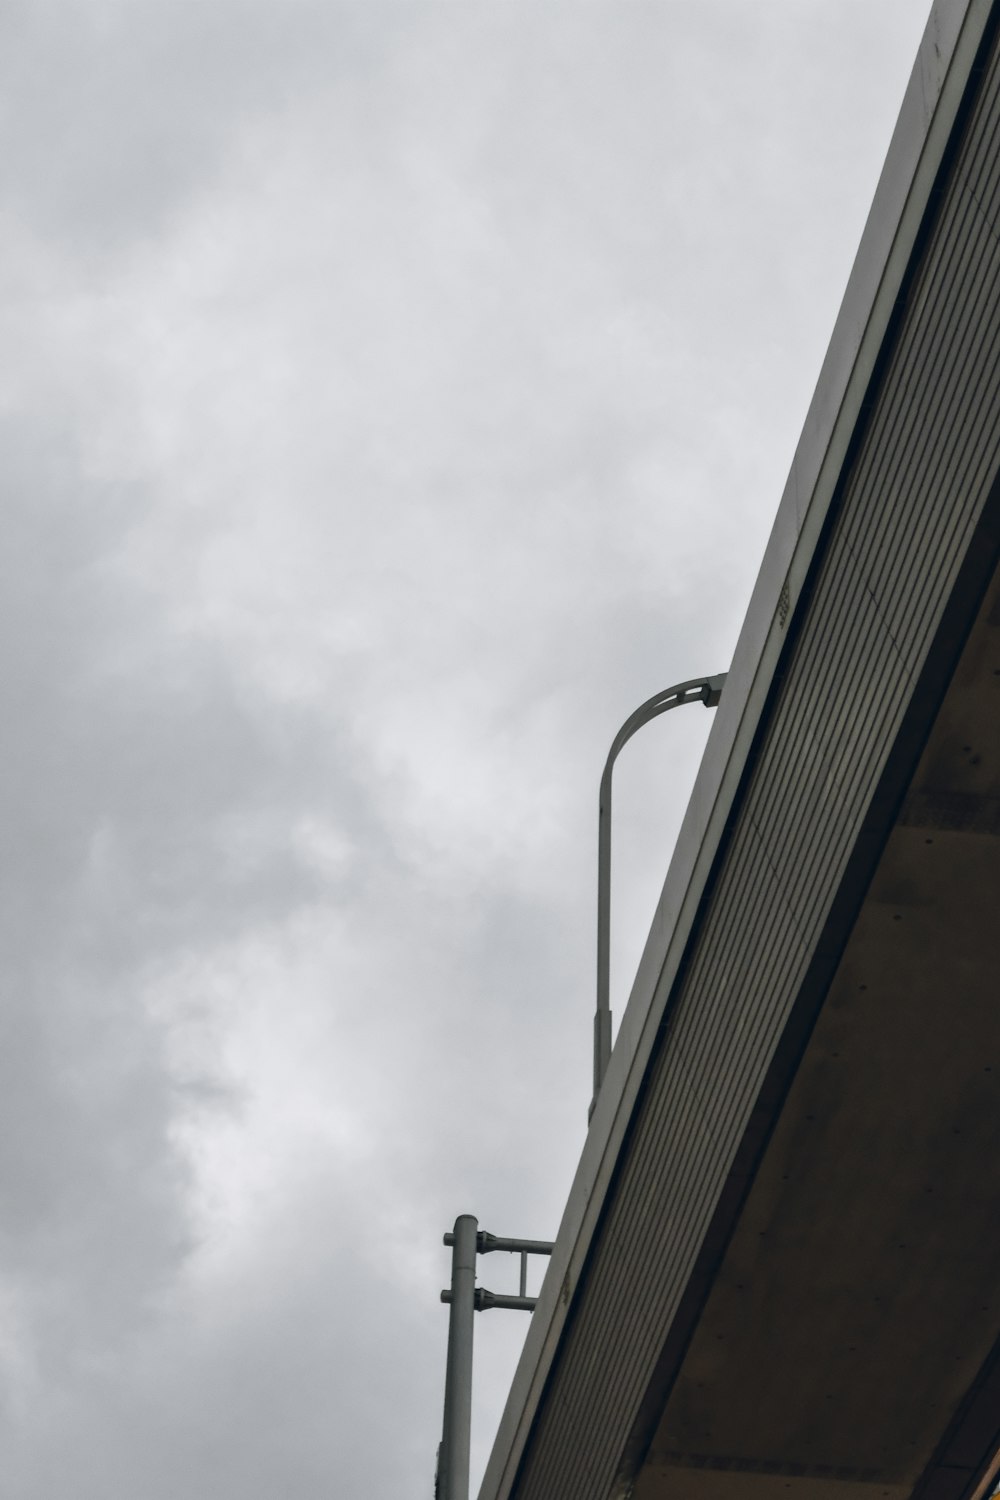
x,y
705,690
485,1300
488,1242
453,1461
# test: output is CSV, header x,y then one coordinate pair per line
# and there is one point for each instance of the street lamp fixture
x,y
706,690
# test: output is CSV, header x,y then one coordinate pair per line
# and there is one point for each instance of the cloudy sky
x,y
394,395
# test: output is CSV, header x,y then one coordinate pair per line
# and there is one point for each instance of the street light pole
x,y
465,1299
453,1457
706,690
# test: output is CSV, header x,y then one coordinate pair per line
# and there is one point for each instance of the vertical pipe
x,y
602,1017
453,1471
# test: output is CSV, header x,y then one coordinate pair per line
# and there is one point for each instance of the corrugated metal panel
x,y
917,484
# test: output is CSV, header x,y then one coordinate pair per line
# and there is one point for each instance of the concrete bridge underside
x,y
858,1301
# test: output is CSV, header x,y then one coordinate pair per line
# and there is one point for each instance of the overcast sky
x,y
393,396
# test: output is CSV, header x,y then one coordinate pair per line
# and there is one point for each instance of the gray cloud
x,y
121,111
395,396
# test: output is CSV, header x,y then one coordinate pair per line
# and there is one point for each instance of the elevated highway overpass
x,y
778,1272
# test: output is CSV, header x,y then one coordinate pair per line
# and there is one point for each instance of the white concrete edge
x,y
937,84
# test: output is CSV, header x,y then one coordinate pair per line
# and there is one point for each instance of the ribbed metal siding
x,y
918,484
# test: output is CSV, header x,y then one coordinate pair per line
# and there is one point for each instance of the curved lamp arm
x,y
706,690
